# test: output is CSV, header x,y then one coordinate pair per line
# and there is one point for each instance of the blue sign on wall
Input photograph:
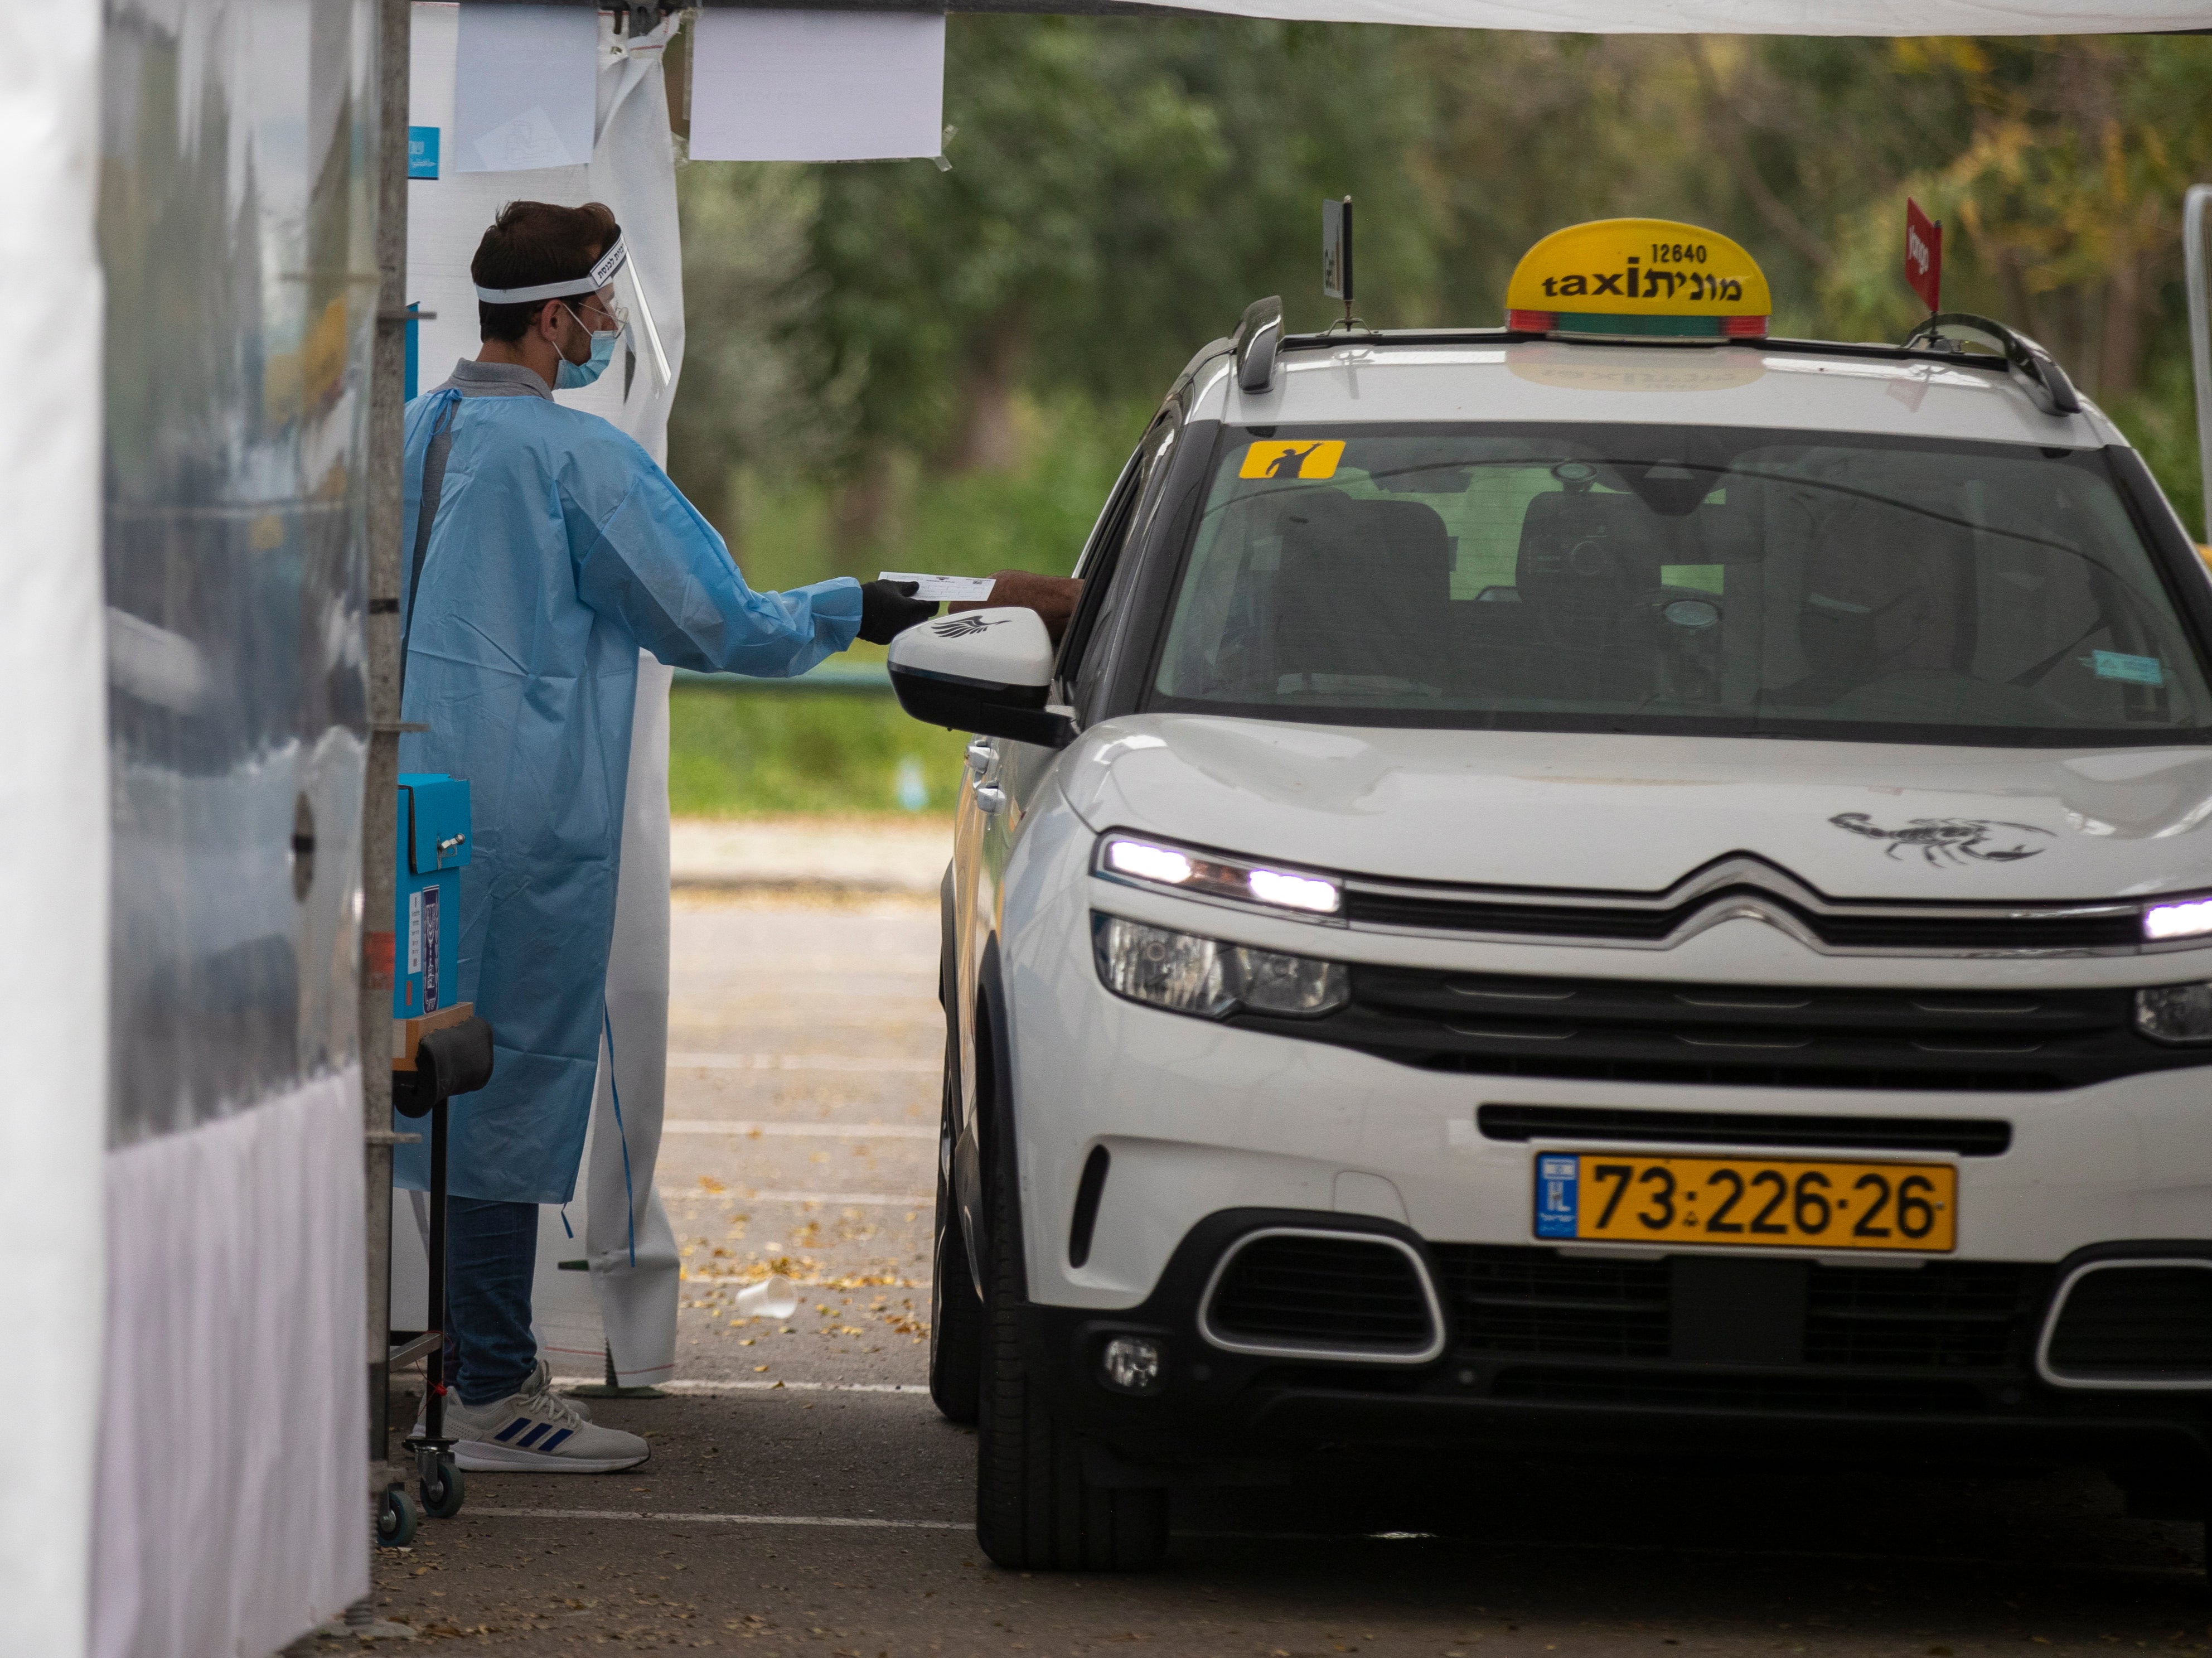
x,y
422,152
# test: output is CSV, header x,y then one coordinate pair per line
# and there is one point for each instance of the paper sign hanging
x,y
1924,255
1336,250
816,86
525,91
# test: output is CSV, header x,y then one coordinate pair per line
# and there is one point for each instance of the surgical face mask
x,y
571,375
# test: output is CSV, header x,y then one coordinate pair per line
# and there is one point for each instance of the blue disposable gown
x,y
558,549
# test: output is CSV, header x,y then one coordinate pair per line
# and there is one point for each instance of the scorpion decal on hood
x,y
1946,839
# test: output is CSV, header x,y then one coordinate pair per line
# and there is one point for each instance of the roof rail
x,y
1257,338
2048,388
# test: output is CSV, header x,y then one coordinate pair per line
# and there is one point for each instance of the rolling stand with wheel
x,y
437,1052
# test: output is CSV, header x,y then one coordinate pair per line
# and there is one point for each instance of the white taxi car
x,y
1613,882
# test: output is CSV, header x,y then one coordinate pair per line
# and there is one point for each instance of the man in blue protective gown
x,y
543,548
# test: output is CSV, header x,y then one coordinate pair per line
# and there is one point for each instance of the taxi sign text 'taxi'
x,y
1638,277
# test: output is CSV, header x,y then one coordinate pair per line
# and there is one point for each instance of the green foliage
x,y
893,366
1120,190
746,752
1032,518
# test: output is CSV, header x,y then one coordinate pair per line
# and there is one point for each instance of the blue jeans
x,y
491,1254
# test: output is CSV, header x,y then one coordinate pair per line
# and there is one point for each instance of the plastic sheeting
x,y
1859,17
54,833
623,1301
236,199
235,228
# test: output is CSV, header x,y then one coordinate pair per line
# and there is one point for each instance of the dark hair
x,y
535,242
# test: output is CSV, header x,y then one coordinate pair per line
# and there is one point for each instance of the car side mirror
x,y
986,672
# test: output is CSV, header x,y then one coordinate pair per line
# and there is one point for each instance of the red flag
x,y
1924,255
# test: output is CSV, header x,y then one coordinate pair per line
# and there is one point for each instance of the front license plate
x,y
1786,1203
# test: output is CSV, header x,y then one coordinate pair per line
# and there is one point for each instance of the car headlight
x,y
2175,1013
1186,974
2191,918
1215,875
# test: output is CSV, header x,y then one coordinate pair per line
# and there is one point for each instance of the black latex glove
x,y
888,609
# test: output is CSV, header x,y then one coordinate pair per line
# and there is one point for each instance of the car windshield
x,y
1683,579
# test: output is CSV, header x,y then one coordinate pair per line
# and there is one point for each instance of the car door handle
x,y
981,753
990,797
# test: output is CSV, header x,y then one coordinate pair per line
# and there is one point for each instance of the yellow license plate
x,y
1787,1203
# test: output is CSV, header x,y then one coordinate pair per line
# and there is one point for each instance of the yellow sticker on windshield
x,y
1280,459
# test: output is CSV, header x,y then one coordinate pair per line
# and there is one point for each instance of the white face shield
x,y
612,263
609,263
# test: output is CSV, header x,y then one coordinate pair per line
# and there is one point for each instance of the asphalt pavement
x,y
804,1497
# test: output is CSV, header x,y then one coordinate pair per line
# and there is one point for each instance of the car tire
x,y
956,1310
1035,1508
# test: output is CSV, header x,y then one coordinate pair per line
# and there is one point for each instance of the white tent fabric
x,y
53,837
628,1301
1834,17
253,1399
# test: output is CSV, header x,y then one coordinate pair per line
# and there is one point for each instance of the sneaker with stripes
x,y
536,1431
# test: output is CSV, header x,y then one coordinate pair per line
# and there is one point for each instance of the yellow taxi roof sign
x,y
1638,277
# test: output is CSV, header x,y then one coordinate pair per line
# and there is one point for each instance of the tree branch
x,y
1727,125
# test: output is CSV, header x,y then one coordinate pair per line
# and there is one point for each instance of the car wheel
x,y
956,1311
1034,1509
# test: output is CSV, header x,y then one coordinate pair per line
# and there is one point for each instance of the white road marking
x,y
801,1062
479,1511
913,1387
854,1523
805,1283
884,1200
843,1130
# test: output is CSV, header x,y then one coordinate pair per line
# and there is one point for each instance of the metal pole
x,y
2200,334
434,1379
379,833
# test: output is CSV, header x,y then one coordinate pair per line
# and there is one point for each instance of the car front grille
x,y
1655,920
1740,1036
2148,1322
1300,1290
1536,1301
1944,1318
1944,1315
1968,1137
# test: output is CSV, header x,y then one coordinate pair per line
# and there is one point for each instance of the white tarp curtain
x,y
53,835
1838,17
625,1303
233,1501
234,203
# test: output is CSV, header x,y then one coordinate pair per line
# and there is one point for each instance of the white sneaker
x,y
538,1431
453,1400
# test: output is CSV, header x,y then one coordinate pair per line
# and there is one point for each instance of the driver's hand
x,y
1052,597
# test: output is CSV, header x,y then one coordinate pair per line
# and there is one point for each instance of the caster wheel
x,y
395,1519
442,1489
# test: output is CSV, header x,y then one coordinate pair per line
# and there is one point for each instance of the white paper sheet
x,y
953,589
523,86
816,86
